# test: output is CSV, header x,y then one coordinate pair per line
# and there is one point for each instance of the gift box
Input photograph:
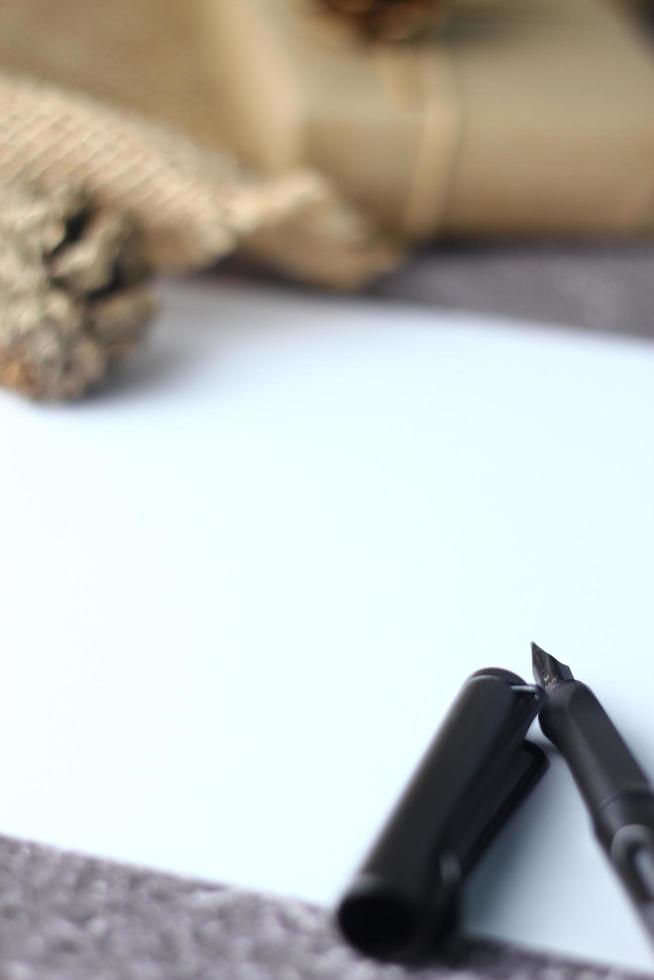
x,y
515,117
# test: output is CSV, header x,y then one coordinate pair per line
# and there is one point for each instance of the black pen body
x,y
618,794
403,901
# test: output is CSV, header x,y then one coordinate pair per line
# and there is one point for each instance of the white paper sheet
x,y
241,588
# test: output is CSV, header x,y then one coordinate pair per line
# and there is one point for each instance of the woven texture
x,y
193,205
124,107
63,917
72,297
115,108
190,206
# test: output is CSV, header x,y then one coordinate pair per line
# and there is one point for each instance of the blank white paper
x,y
241,587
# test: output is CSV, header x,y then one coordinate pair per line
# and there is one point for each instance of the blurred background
x,y
508,144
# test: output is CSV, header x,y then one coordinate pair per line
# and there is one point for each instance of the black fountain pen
x,y
618,794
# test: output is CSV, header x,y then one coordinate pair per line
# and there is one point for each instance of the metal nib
x,y
548,671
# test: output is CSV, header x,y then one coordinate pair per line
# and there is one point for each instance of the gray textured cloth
x,y
605,288
64,917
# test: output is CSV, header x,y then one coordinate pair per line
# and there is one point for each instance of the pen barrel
x,y
627,810
403,899
617,792
625,828
599,760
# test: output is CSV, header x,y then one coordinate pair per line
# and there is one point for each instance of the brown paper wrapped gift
x,y
520,117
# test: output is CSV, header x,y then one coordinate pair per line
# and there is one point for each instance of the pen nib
x,y
548,671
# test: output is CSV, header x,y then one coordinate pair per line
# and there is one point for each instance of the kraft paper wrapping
x,y
523,117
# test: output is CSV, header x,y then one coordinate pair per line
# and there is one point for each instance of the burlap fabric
x,y
140,160
124,107
72,293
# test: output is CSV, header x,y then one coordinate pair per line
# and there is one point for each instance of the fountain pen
x,y
617,793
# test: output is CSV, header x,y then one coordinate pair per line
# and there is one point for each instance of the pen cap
x,y
403,901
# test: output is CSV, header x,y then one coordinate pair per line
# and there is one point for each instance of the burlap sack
x,y
140,153
258,125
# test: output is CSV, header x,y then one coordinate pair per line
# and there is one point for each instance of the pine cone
x,y
394,20
72,294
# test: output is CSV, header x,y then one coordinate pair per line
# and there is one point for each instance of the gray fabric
x,y
64,917
606,288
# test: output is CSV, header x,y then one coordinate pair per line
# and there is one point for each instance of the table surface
x,y
247,581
